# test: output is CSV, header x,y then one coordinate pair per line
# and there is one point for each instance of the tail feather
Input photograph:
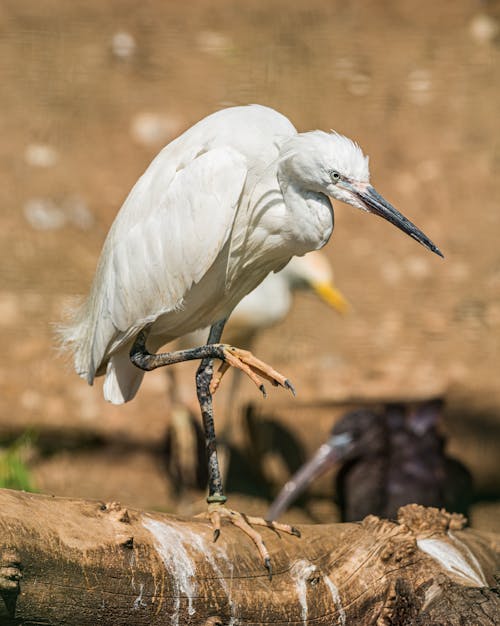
x,y
87,336
123,378
73,336
99,348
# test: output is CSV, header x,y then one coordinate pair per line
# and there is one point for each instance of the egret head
x,y
334,165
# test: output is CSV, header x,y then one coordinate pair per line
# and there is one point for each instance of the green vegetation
x,y
14,470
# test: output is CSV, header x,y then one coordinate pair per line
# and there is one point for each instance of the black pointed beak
x,y
376,204
327,455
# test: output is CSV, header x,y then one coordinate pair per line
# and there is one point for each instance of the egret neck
x,y
310,217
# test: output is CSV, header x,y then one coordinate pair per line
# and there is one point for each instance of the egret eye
x,y
334,175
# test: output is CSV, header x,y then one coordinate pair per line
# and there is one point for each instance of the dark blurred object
x,y
267,454
388,459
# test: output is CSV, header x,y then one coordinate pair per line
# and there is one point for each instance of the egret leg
x,y
203,380
245,361
229,355
143,359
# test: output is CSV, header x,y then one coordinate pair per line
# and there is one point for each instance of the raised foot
x,y
252,367
217,512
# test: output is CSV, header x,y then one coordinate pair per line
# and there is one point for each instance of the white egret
x,y
230,200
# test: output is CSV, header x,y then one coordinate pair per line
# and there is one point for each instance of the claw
x,y
233,360
268,566
245,523
254,368
295,531
262,389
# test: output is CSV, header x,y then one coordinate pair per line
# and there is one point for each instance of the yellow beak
x,y
332,296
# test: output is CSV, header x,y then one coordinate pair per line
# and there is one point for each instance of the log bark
x,y
78,562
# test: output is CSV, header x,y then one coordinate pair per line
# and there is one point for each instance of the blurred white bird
x,y
231,199
270,302
265,306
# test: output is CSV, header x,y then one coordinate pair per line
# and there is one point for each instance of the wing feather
x,y
163,241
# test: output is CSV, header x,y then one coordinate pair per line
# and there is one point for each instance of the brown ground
x,y
415,83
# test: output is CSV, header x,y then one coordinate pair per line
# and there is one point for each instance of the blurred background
x,y
91,91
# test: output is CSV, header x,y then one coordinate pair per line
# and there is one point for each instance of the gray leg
x,y
144,360
241,359
140,357
203,380
235,357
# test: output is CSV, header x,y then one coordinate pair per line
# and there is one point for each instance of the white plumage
x,y
233,198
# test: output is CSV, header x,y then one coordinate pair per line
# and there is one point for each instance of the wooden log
x,y
78,562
